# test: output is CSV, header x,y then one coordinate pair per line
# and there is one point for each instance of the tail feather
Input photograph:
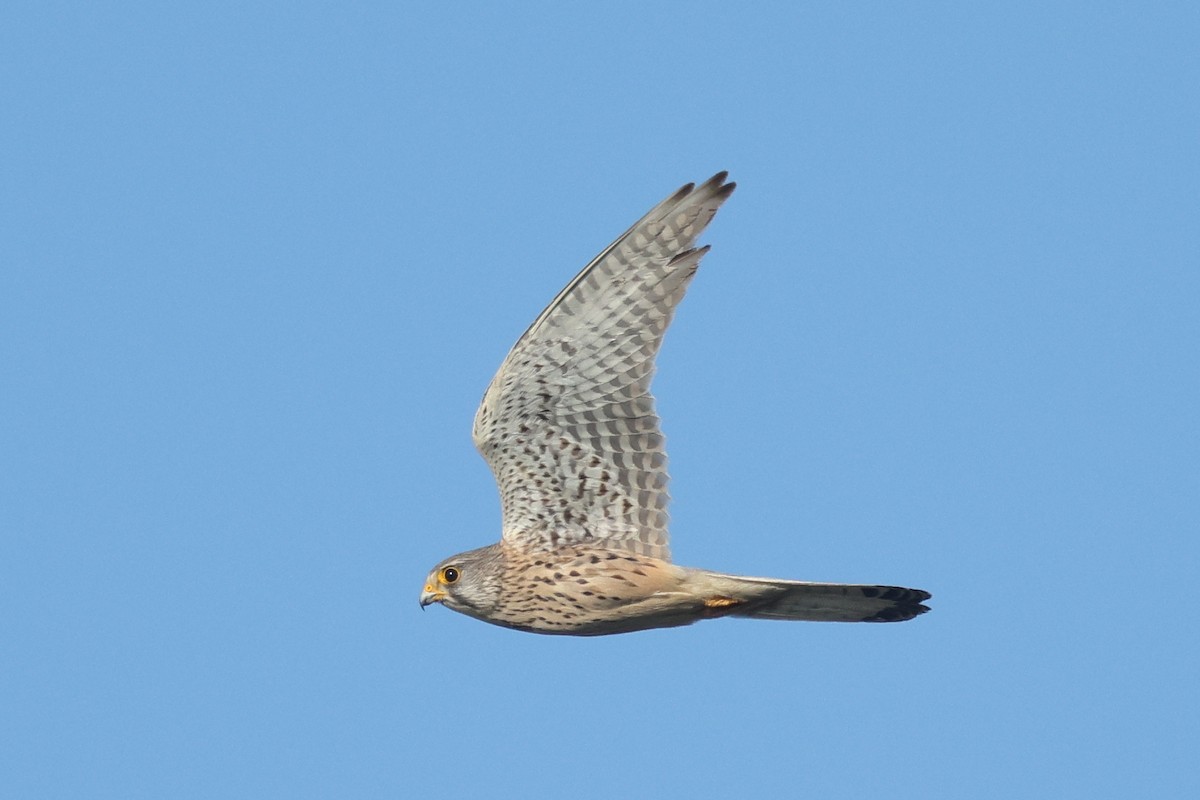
x,y
771,598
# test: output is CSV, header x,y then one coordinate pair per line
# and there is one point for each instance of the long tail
x,y
771,598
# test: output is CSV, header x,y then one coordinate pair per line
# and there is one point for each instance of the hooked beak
x,y
431,594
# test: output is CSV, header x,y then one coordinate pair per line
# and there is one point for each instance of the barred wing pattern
x,y
568,423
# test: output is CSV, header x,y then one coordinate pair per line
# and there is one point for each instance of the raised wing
x,y
568,424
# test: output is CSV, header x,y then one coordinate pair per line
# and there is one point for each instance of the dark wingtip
x,y
683,191
718,185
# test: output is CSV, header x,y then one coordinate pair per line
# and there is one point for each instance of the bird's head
x,y
468,582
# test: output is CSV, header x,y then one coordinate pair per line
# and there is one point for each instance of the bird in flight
x,y
568,427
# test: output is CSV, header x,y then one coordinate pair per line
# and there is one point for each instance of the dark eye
x,y
449,575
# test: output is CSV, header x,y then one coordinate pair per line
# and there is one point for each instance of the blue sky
x,y
260,261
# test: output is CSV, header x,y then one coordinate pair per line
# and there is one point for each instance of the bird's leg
x,y
719,606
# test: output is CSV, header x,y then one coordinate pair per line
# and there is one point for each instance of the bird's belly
x,y
591,593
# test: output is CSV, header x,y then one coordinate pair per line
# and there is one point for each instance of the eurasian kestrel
x,y
569,430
